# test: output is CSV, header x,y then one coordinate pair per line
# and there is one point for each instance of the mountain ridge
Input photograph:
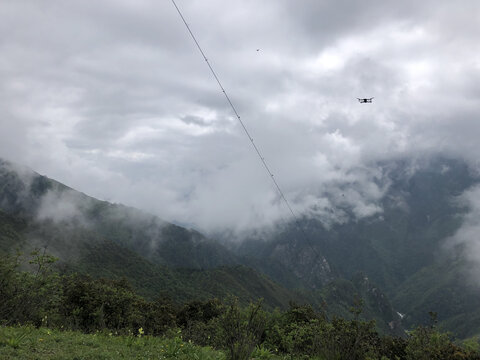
x,y
391,249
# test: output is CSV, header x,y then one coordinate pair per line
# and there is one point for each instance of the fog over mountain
x,y
467,236
114,100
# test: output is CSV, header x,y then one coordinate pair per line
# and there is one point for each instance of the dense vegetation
x,y
389,263
113,241
401,249
42,298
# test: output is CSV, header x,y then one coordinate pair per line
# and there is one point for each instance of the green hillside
x,y
401,249
88,253
157,258
52,209
398,250
442,288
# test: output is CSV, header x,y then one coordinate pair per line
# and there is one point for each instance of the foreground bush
x,y
124,325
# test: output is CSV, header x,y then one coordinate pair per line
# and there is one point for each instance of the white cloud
x,y
61,207
113,99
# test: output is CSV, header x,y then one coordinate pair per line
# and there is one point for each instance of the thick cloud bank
x,y
113,99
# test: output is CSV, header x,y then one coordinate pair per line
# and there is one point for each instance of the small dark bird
x,y
364,101
258,49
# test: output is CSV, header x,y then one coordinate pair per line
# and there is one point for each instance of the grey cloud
x,y
195,120
114,99
62,207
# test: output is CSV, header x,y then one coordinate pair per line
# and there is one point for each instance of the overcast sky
x,y
113,99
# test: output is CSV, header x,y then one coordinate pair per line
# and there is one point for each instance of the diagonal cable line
x,y
257,150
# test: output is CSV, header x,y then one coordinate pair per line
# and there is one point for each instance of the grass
x,y
36,344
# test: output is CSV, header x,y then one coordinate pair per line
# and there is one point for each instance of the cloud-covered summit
x,y
113,99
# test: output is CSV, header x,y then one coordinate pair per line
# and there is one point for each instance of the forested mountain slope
x,y
395,254
401,249
52,209
159,259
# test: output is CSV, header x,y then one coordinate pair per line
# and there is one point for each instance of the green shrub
x,y
29,297
241,329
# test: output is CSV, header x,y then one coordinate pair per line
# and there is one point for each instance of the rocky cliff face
x,y
304,263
